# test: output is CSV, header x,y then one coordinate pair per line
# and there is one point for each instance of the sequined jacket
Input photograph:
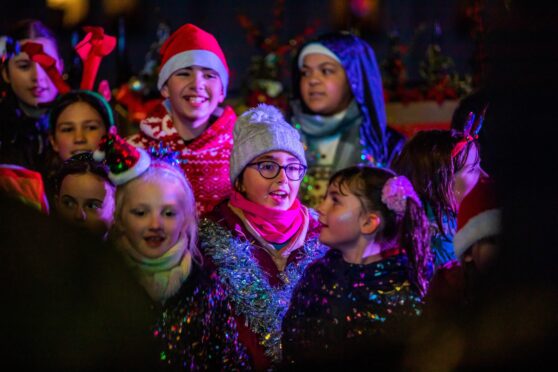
x,y
340,310
196,329
263,347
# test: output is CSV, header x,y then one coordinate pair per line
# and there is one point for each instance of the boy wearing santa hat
x,y
193,79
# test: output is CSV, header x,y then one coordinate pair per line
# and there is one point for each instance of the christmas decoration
x,y
136,98
395,75
125,161
439,80
438,72
264,81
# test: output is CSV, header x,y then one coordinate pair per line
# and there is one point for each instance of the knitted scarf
x,y
346,124
163,276
272,225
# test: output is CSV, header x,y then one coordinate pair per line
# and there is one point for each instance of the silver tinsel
x,y
262,305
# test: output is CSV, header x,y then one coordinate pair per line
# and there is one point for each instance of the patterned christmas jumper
x,y
205,159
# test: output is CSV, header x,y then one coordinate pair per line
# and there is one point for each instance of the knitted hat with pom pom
x,y
125,161
259,130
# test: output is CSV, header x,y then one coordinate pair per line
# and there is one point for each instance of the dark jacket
x,y
23,140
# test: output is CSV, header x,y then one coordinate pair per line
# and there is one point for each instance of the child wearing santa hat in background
x,y
193,79
475,244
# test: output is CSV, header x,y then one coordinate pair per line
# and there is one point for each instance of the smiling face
x,y
152,216
278,193
323,85
87,200
79,128
27,79
194,93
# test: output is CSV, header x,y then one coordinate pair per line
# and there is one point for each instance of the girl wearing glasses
x,y
262,238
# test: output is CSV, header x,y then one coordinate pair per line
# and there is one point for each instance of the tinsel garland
x,y
262,305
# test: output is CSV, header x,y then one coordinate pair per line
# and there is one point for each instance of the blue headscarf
x,y
365,81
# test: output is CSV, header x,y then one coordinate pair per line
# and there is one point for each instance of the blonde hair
x,y
160,170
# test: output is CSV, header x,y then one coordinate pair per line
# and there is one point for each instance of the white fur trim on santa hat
x,y
315,48
136,170
195,57
483,225
98,155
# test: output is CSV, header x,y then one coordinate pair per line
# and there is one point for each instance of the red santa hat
x,y
125,161
479,216
189,46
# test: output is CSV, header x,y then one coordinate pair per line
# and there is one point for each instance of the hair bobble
x,y
395,193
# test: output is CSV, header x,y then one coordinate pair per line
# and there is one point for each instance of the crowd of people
x,y
271,240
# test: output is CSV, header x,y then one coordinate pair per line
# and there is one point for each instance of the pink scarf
x,y
273,225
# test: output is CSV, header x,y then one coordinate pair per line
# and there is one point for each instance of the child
x,y
23,129
476,247
262,238
193,79
443,166
77,121
156,230
338,106
84,194
376,272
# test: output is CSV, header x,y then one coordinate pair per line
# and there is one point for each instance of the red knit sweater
x,y
207,157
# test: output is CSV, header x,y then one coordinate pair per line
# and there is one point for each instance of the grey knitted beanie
x,y
259,130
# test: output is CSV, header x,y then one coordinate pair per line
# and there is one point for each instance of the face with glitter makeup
x,y
152,217
341,216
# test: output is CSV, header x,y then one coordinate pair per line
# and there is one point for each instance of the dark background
x,y
413,20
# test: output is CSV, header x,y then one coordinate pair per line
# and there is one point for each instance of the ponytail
x,y
414,235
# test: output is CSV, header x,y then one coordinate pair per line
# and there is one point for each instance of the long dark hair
x,y
427,162
409,231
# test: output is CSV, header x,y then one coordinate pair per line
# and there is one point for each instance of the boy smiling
x,y
193,79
